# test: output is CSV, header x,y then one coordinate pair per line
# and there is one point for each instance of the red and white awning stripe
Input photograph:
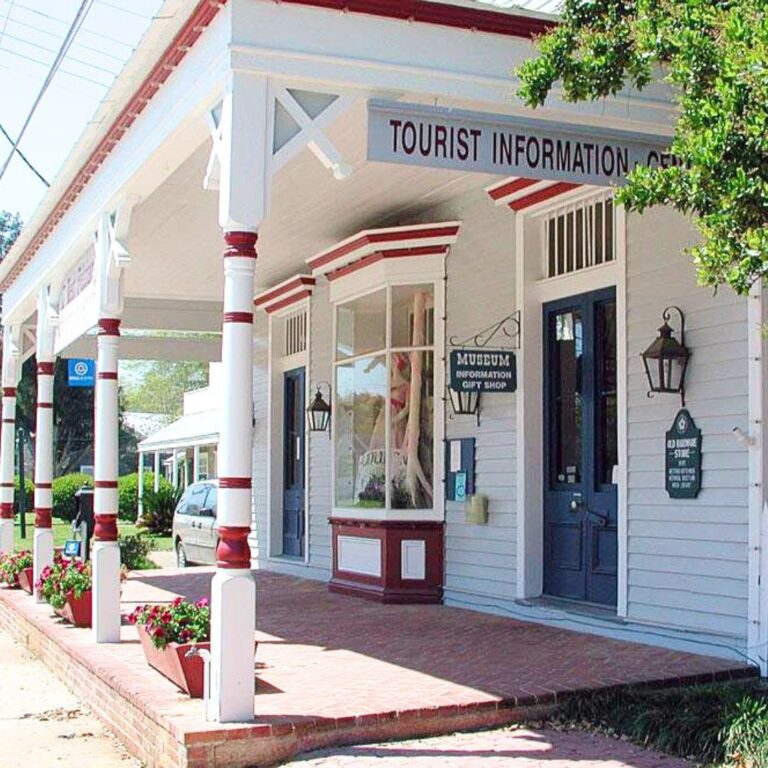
x,y
282,295
374,245
520,193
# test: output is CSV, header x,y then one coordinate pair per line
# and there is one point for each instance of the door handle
x,y
602,518
577,502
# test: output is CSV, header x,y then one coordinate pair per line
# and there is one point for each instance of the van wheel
x,y
181,556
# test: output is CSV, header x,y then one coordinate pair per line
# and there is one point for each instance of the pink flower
x,y
202,602
177,602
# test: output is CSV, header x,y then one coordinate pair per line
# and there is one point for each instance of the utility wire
x,y
124,10
51,50
82,12
7,19
61,69
24,157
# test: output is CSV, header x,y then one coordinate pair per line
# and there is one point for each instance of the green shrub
x,y
159,507
128,493
29,487
134,552
64,490
705,723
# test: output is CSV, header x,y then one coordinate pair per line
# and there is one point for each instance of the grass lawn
x,y
62,530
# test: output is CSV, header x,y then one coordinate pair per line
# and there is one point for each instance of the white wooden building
x,y
403,202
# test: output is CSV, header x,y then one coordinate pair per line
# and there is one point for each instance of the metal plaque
x,y
683,458
413,134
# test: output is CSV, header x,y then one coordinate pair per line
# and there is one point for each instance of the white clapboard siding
x,y
687,559
480,560
259,536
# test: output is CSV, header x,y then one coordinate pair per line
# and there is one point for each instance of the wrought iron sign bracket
x,y
506,328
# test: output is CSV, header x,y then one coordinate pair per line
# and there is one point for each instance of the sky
x,y
31,32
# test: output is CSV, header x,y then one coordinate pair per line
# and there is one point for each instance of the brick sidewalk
x,y
505,748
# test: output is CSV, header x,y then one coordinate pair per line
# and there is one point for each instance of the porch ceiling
x,y
176,244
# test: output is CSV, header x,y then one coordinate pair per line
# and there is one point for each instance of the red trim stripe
x,y
542,194
287,301
232,550
6,510
45,405
238,317
107,375
297,282
109,326
398,253
7,485
44,486
105,483
9,421
378,238
242,483
516,185
45,369
9,391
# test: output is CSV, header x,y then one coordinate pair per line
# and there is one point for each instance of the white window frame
x,y
386,275
277,365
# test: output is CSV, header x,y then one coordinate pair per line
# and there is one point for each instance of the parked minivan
x,y
194,525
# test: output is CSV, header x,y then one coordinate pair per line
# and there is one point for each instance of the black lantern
x,y
666,360
465,403
319,411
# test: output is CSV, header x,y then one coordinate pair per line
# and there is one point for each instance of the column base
x,y
105,561
233,626
389,561
42,555
6,536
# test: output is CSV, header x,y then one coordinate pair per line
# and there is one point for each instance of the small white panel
x,y
359,555
413,560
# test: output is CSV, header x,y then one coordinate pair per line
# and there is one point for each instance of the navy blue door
x,y
580,448
293,462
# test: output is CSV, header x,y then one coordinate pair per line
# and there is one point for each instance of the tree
x,y
10,228
714,55
72,421
158,386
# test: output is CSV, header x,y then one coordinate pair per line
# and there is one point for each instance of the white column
x,y
175,468
140,488
195,463
106,553
156,478
186,468
43,539
233,590
7,455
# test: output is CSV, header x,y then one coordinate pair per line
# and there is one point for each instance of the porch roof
x,y
190,430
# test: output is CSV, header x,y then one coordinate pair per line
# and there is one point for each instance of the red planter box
x,y
26,580
171,662
78,612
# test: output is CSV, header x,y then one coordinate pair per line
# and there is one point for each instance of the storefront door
x,y
293,462
580,448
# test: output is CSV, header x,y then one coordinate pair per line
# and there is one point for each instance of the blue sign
x,y
72,548
81,373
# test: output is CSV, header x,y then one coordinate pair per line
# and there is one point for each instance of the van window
x,y
196,501
210,501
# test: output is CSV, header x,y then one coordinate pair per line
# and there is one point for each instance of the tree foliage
x,y
714,55
158,386
10,228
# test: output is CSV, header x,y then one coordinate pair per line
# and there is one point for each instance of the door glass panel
x,y
567,406
607,439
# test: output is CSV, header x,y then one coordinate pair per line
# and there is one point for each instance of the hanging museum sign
x,y
483,370
683,458
413,134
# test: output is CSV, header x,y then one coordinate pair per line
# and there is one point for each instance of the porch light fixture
x,y
666,360
465,403
319,411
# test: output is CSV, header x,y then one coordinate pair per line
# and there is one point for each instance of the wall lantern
x,y
465,403
319,411
666,360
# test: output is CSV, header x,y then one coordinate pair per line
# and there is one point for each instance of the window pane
x,y
361,325
413,316
360,417
608,444
411,395
566,397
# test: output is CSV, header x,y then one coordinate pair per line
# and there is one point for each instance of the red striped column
x,y
233,590
43,548
105,553
7,454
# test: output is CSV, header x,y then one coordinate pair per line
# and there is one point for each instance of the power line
x,y
124,10
61,87
85,47
47,64
24,158
82,12
58,20
51,50
7,19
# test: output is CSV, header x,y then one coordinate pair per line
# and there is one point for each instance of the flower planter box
x,y
78,612
171,662
27,581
